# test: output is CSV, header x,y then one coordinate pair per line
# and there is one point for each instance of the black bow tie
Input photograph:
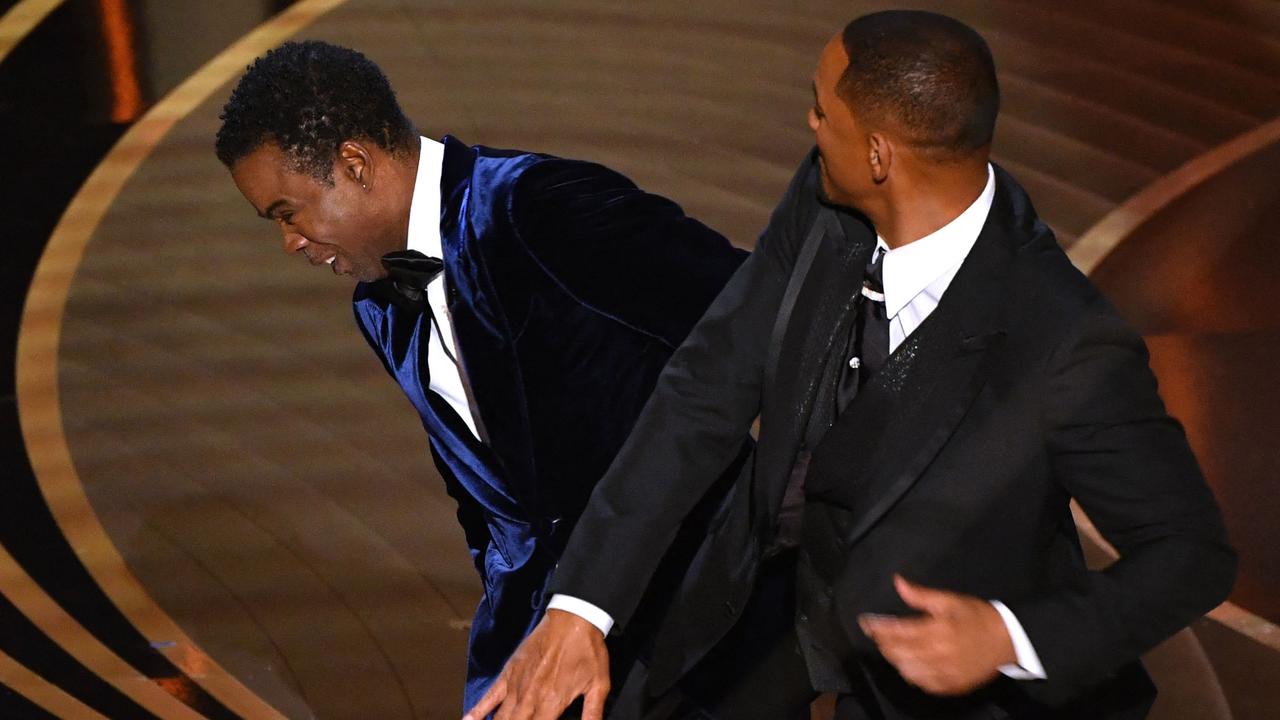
x,y
409,271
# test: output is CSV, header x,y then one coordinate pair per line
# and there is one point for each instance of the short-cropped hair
x,y
929,76
308,98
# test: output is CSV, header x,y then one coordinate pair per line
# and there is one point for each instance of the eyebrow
x,y
266,214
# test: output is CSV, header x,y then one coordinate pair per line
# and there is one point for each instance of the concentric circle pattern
x,y
246,454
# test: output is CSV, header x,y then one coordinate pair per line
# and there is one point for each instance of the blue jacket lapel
x,y
479,323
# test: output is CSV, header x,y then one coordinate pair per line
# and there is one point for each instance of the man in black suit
x,y
932,393
524,303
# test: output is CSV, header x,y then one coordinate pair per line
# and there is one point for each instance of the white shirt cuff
x,y
584,610
1028,667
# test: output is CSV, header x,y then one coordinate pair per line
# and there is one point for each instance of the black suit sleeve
x,y
1113,447
692,427
632,255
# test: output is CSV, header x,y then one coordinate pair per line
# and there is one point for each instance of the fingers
x,y
948,650
919,597
497,693
917,663
551,704
896,628
564,657
908,642
593,702
549,708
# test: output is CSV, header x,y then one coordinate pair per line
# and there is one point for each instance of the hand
x,y
959,643
563,658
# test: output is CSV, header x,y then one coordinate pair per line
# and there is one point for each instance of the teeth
x,y
330,260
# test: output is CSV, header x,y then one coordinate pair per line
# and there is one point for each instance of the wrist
x,y
573,623
1002,644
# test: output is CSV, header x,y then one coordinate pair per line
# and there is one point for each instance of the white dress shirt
x,y
915,277
424,236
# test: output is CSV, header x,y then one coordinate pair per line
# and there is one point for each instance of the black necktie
x,y
409,271
867,349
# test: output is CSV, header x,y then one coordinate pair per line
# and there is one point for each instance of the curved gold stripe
x,y
71,636
37,377
21,20
1094,246
43,693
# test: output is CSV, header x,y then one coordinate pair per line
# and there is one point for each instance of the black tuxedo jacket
x,y
1033,391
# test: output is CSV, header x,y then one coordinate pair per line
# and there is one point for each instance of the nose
x,y
813,120
293,242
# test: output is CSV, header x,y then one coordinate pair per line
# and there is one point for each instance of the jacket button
x,y
802,618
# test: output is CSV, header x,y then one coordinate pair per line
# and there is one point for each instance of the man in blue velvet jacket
x,y
525,303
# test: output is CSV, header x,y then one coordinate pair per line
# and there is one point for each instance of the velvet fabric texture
x,y
568,289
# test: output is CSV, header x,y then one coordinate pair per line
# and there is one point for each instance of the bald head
x,y
927,76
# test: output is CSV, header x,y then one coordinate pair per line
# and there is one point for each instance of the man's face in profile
x,y
329,224
841,139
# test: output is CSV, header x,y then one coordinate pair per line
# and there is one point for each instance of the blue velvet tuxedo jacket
x,y
568,289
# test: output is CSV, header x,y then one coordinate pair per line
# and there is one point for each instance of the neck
x,y
920,202
406,174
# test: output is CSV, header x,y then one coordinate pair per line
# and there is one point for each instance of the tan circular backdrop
x,y
245,451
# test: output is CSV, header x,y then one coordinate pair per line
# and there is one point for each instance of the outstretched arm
x,y
691,428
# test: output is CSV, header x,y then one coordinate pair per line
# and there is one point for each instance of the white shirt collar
x,y
424,210
910,269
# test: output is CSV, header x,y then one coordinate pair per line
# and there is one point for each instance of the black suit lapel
x,y
827,271
891,433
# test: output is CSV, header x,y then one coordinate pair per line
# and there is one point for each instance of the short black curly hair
x,y
308,98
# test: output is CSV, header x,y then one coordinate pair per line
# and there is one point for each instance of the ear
x,y
355,163
879,156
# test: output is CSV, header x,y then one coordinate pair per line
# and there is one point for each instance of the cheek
x,y
330,226
838,179
345,223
